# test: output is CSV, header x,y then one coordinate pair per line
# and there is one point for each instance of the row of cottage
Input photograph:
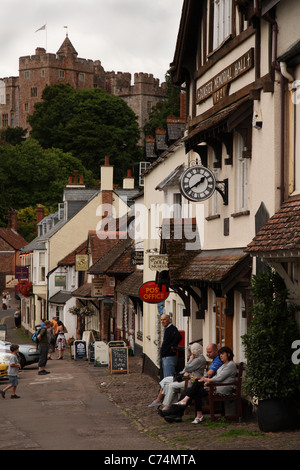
x,y
219,203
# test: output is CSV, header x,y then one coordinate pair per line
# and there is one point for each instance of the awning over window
x,y
222,122
60,298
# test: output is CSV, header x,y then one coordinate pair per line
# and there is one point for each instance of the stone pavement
x,y
113,405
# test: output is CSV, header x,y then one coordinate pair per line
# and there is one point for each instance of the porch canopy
x,y
221,269
279,238
60,298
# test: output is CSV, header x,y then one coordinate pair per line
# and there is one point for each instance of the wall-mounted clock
x,y
197,183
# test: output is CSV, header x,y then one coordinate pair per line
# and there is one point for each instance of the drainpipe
x,y
285,75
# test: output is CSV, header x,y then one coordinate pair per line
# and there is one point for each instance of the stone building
x,y
19,94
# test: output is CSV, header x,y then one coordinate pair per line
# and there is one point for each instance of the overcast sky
x,y
125,35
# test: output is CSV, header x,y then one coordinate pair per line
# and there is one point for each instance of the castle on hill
x,y
19,94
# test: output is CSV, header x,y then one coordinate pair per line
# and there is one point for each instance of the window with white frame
x,y
242,176
222,21
42,267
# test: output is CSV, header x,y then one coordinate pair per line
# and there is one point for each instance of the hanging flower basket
x,y
82,311
24,288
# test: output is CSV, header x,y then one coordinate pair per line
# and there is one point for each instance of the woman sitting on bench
x,y
226,373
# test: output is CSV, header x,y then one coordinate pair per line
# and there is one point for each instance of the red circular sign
x,y
149,292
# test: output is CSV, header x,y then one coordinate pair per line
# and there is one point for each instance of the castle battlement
x,y
44,68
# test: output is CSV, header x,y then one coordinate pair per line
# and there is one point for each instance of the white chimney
x,y
128,181
107,176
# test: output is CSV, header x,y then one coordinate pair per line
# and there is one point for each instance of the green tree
x,y
270,371
90,124
27,221
32,175
13,135
159,114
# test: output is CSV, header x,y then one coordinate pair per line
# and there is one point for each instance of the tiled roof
x,y
11,237
213,265
130,286
281,233
116,260
83,291
175,244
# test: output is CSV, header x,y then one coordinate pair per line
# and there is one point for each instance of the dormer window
x,y
222,21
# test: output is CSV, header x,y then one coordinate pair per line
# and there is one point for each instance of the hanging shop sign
x,y
226,76
60,281
21,272
150,292
137,257
98,287
159,262
82,262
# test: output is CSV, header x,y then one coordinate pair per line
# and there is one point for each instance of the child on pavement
x,y
12,372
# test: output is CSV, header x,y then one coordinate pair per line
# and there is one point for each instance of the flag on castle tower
x,y
41,28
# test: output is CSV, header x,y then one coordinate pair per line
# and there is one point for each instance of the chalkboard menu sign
x,y
119,360
80,351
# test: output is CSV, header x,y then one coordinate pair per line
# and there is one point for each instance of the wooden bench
x,y
235,397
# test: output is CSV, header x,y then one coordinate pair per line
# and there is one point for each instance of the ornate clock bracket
x,y
222,188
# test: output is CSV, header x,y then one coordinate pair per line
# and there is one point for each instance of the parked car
x,y
28,354
3,368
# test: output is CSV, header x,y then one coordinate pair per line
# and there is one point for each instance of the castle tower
x,y
43,69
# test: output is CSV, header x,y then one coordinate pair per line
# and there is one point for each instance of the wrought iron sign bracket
x,y
222,188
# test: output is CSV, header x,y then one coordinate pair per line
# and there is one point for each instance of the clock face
x,y
197,183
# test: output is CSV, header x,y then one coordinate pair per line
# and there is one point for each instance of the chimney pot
x,y
75,176
81,179
106,160
70,180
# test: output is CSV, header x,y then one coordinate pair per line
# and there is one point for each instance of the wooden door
x,y
224,324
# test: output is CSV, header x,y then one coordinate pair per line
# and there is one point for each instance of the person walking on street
x,y
12,372
172,338
43,348
61,342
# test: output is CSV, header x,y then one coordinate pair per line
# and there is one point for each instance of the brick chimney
x,y
39,216
13,220
128,181
107,173
73,180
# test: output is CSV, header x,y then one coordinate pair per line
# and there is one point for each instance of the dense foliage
x,y
270,371
31,175
163,109
90,124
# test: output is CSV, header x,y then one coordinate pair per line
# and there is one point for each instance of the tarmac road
x,y
64,410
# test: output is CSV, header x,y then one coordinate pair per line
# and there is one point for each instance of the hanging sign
x,y
82,262
149,292
159,262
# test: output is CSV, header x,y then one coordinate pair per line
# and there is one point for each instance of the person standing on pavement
x,y
43,348
12,372
17,317
172,338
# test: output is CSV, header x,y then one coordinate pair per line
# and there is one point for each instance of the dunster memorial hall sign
x,y
220,81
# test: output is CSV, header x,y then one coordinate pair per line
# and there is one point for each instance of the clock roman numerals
x,y
197,183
